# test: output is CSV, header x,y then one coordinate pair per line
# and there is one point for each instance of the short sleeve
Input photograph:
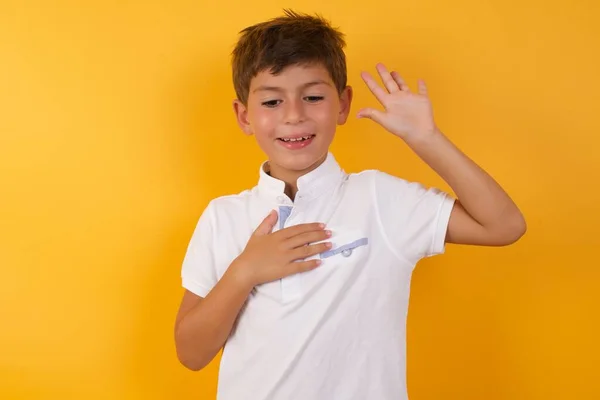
x,y
198,272
414,218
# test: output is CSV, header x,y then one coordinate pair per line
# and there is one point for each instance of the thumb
x,y
372,114
267,224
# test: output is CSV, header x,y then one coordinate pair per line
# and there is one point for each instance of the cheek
x,y
326,115
263,122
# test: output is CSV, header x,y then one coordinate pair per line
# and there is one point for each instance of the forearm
x,y
204,330
480,195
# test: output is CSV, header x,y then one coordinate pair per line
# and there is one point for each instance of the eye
x,y
271,103
314,99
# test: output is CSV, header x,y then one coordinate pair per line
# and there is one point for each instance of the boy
x,y
305,278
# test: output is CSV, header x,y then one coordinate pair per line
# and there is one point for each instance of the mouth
x,y
296,142
296,139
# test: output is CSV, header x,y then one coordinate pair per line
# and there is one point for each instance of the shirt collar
x,y
326,177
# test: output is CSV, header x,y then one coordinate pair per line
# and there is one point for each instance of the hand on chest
x,y
346,260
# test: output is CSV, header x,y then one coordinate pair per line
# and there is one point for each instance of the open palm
x,y
406,114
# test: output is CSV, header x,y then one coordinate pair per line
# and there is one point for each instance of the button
x,y
280,199
346,252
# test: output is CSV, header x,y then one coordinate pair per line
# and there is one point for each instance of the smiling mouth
x,y
297,139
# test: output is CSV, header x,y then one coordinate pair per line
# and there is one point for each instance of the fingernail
x,y
328,244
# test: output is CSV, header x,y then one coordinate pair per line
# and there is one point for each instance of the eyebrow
x,y
278,89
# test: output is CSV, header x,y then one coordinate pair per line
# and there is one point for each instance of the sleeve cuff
x,y
438,245
195,288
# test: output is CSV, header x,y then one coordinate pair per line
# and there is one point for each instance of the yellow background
x,y
116,129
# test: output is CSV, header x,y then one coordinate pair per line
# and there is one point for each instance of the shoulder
x,y
393,194
230,202
380,182
221,210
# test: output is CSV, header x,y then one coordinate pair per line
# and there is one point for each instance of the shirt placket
x,y
290,285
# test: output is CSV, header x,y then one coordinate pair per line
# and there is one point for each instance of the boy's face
x,y
294,116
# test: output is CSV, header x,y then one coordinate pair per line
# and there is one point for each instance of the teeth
x,y
296,139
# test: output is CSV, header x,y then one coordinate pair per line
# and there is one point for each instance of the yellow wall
x,y
116,128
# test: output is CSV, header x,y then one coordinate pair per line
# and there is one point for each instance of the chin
x,y
299,162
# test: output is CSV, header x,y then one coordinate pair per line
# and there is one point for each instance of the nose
x,y
294,112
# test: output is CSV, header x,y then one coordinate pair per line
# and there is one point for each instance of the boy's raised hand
x,y
270,256
406,114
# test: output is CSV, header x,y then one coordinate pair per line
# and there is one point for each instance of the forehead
x,y
292,77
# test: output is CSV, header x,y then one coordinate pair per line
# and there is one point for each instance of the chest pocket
x,y
350,248
346,257
345,249
344,263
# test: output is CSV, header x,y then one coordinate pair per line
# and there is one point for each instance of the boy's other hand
x,y
270,256
407,115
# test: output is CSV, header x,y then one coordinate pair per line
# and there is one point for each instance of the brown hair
x,y
286,40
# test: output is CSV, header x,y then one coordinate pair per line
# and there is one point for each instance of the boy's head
x,y
289,74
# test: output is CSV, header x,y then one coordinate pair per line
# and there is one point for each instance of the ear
x,y
345,103
241,114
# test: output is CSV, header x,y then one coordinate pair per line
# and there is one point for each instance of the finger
x,y
295,230
377,90
301,266
387,79
400,81
306,251
423,88
371,113
267,224
307,238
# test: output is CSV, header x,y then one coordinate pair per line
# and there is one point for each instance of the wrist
x,y
240,275
424,138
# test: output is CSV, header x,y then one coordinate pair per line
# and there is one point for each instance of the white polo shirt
x,y
337,332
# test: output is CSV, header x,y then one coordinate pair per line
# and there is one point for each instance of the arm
x,y
483,214
203,324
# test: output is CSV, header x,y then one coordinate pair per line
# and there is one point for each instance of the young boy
x,y
304,279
